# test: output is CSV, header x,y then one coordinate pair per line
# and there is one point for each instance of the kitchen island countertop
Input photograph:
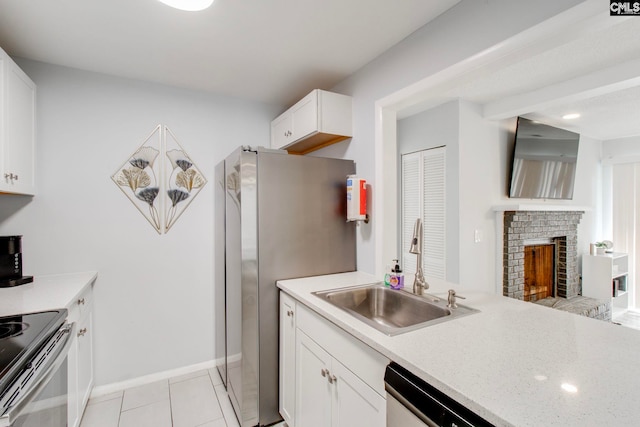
x,y
514,363
44,293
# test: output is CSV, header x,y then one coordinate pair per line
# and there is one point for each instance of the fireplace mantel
x,y
540,207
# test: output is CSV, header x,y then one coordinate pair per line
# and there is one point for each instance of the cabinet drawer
x,y
362,360
81,305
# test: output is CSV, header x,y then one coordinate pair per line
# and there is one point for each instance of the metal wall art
x,y
160,179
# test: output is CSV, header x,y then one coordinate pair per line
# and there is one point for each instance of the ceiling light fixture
x,y
188,5
571,116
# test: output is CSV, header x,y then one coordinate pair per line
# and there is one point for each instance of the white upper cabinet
x,y
319,119
17,128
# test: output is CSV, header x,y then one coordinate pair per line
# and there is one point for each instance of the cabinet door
x,y
282,131
313,390
18,130
355,404
85,362
287,378
305,116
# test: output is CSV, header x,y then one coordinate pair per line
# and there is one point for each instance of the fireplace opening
x,y
539,272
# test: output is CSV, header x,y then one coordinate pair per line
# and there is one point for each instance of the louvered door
x,y
424,196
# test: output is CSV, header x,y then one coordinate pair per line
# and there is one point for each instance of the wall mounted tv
x,y
544,161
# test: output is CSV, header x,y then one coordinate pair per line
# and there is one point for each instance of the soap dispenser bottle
x,y
387,276
396,278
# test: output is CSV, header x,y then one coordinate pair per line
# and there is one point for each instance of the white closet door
x,y
411,206
424,196
433,213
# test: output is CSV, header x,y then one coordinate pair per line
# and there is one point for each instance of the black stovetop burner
x,y
12,329
21,337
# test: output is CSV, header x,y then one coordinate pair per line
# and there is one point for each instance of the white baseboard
x,y
146,379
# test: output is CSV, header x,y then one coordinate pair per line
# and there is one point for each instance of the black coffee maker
x,y
11,262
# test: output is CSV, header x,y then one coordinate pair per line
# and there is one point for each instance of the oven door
x,y
38,397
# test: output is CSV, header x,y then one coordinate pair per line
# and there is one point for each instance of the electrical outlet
x,y
477,237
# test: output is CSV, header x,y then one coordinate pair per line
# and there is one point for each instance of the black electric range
x,y
21,337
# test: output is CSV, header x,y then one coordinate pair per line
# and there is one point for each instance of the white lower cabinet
x,y
287,360
338,381
80,358
313,390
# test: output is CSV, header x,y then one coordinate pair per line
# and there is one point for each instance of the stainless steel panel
x,y
220,272
399,416
233,247
285,218
302,232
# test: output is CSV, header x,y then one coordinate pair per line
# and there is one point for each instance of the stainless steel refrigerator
x,y
277,216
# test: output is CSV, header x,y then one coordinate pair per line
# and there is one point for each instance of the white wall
x,y
622,149
467,29
483,165
588,192
154,294
429,129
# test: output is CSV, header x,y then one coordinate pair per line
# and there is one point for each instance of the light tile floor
x,y
193,400
630,319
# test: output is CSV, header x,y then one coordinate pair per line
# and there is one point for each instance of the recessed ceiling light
x,y
188,5
570,388
571,116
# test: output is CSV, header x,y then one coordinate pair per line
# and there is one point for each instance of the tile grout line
x,y
121,404
170,403
217,397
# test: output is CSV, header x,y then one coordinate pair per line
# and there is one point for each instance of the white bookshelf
x,y
606,276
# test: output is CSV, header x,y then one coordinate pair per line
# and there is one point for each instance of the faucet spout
x,y
419,283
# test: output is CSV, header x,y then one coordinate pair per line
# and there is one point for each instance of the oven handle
x,y
48,371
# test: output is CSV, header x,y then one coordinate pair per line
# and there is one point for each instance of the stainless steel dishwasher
x,y
411,402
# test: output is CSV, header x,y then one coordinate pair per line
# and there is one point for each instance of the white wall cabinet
x,y
319,119
80,358
17,128
606,277
338,380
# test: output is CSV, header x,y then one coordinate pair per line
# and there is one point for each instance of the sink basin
x,y
390,311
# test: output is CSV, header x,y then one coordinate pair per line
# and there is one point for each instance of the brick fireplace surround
x,y
555,227
559,227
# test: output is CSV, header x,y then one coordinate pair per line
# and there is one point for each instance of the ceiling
x,y
592,68
271,51
276,51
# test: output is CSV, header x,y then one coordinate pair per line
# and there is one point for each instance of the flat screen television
x,y
544,161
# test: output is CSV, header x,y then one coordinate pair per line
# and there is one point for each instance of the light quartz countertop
x,y
44,293
514,363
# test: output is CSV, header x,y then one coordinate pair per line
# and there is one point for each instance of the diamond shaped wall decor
x,y
160,179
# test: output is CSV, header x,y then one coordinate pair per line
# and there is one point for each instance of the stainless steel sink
x,y
390,311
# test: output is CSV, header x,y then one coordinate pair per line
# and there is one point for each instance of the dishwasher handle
x,y
429,404
393,393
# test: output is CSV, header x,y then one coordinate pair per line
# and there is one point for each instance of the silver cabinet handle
x,y
10,177
290,313
330,377
81,301
82,332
